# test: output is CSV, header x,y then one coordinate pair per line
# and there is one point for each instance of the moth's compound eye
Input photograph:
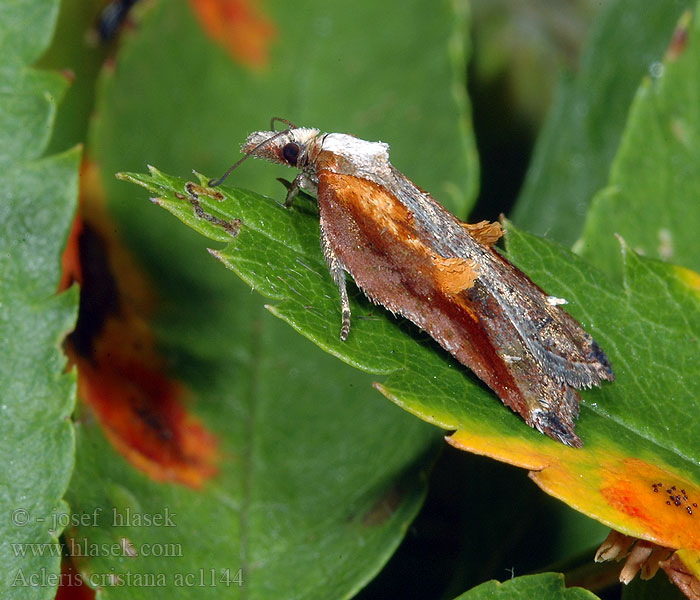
x,y
290,153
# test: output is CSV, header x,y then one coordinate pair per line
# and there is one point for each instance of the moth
x,y
413,257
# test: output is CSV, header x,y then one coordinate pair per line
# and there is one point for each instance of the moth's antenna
x,y
289,124
215,182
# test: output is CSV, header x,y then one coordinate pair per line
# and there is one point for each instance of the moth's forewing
x,y
410,255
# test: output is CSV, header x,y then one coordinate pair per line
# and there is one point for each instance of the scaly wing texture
x,y
408,254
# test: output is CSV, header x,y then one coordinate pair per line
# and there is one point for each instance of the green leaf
x,y
27,112
345,71
37,201
544,585
652,196
73,50
19,49
318,477
316,485
583,130
277,253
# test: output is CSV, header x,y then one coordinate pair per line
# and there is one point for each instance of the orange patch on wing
x,y
239,26
604,484
366,198
370,202
454,275
485,232
120,374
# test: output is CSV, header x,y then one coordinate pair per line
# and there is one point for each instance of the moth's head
x,y
289,147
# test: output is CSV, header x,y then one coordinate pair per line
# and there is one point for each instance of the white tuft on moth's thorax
x,y
303,135
367,159
350,146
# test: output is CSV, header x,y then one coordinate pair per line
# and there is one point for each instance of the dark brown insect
x,y
410,255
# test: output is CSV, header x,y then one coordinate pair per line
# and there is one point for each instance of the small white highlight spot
x,y
510,359
665,244
554,301
656,69
127,547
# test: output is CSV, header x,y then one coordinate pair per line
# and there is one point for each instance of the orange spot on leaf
x,y
679,39
70,258
605,484
662,502
70,585
239,26
384,508
68,75
141,413
120,374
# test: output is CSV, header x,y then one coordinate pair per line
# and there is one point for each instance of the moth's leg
x,y
292,191
301,182
338,274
